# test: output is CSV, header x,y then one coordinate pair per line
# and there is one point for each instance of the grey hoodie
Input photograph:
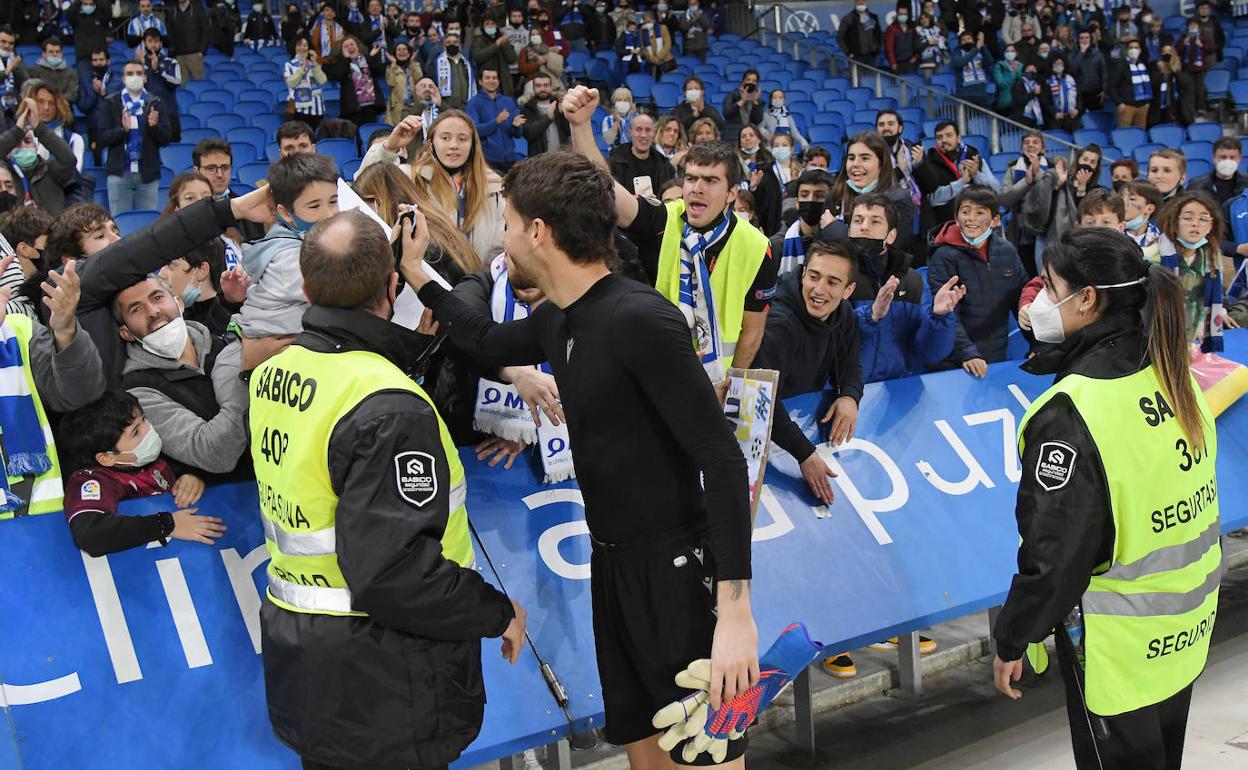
x,y
275,303
215,445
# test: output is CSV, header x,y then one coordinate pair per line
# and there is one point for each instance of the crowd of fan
x,y
901,261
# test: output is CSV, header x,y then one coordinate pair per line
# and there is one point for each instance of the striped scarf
x,y
500,411
793,251
1208,262
134,141
445,82
25,447
1032,110
973,72
1141,83
697,302
1065,93
1194,53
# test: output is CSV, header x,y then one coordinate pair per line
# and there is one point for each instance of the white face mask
x,y
623,107
168,341
692,95
1226,167
134,83
535,39
1046,317
147,450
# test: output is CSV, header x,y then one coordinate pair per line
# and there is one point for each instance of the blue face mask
x,y
978,241
190,295
1192,245
299,225
87,10
866,188
1136,223
25,157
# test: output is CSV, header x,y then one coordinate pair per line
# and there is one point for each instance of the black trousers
x,y
1150,738
310,765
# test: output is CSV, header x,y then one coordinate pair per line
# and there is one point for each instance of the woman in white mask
x,y
1107,560
617,126
759,177
779,120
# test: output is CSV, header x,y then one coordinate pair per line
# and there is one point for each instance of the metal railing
x,y
1004,134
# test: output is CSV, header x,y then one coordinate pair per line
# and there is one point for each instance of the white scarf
x,y
444,76
500,411
697,301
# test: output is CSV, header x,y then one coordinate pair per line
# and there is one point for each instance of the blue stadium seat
x,y
352,167
1086,136
640,84
1196,151
1060,135
177,156
827,136
718,62
250,109
1141,152
132,221
597,72
224,123
1127,139
981,143
367,129
1207,131
218,95
859,96
250,173
1169,134
802,84
197,87
256,137
575,63
1001,161
267,123
1198,167
244,153
858,127
251,94
185,101
666,96
193,135
188,121
826,118
1239,94
735,71
166,176
207,112
882,103
272,151
1110,153
1101,121
1218,86
341,150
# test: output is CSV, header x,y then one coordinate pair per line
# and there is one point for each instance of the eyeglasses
x,y
1194,219
222,169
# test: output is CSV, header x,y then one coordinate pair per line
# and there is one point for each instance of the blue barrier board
x,y
149,658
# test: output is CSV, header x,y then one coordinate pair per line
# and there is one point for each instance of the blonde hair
x,y
386,183
623,93
431,176
682,140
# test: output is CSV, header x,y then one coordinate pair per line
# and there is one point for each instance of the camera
x,y
406,220
751,88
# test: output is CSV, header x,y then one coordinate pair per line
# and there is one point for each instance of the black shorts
x,y
654,614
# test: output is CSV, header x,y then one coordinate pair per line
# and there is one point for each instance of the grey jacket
x,y
1050,209
69,379
275,303
215,445
48,177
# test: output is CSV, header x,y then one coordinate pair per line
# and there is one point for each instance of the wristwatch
x,y
166,526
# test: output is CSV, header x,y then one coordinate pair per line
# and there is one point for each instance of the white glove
x,y
688,716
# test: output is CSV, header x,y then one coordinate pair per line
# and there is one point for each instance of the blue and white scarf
x,y
625,134
1141,83
134,140
25,446
573,16
354,16
793,251
8,88
973,71
379,25
697,301
1065,93
632,41
1211,323
444,75
501,412
1032,108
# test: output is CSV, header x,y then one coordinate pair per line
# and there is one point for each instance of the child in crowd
x,y
990,269
1142,201
115,454
305,189
1099,208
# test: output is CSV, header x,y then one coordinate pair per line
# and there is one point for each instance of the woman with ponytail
x,y
1117,506
451,170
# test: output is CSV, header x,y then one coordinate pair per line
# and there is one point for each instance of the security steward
x,y
1117,507
374,614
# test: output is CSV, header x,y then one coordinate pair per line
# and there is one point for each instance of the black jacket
x,y
536,124
810,355
338,69
401,687
625,167
931,174
129,260
48,177
90,31
188,30
1068,532
113,135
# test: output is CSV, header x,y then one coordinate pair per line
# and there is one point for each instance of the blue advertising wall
x,y
150,658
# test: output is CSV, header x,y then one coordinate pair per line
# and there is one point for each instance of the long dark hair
x,y
1099,256
842,195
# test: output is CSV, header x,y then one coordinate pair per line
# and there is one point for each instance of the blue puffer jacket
x,y
907,340
1236,210
992,288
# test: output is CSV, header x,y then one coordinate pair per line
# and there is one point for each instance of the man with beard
x,y
545,127
889,124
621,355
946,170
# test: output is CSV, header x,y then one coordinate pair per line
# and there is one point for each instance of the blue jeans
x,y
129,192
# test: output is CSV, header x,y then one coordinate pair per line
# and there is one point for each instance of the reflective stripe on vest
x,y
297,399
735,269
47,494
1148,614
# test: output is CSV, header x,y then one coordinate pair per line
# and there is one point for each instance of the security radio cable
x,y
578,741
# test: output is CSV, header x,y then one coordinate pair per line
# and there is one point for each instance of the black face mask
x,y
968,46
892,140
100,70
866,248
1118,185
1084,167
452,50
8,201
810,212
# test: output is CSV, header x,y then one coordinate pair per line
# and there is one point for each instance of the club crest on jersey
x,y
1056,465
414,475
